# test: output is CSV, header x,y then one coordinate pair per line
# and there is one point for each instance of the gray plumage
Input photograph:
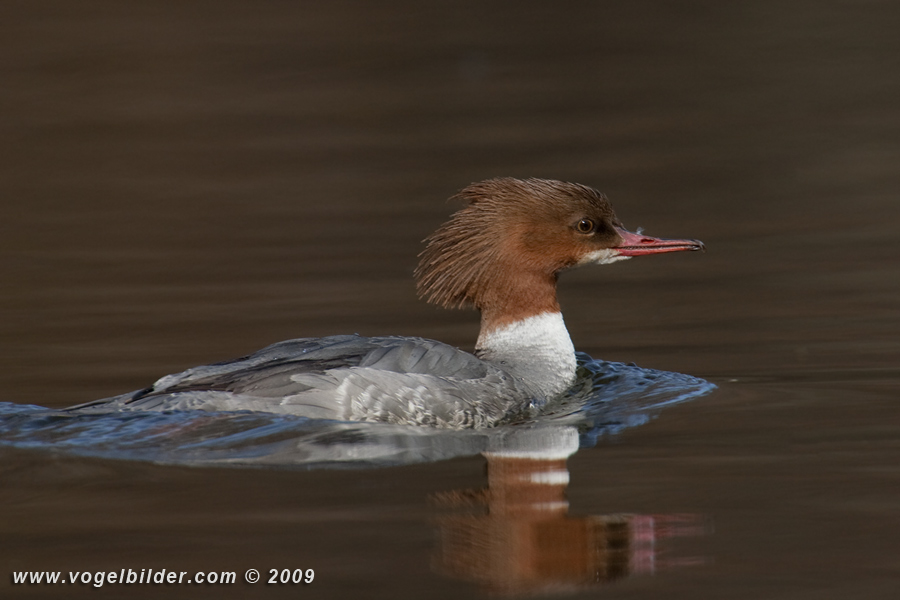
x,y
501,253
347,378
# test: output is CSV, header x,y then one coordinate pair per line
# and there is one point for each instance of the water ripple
x,y
607,398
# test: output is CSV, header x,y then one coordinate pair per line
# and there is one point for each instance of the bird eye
x,y
585,226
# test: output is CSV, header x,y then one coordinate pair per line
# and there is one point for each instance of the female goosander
x,y
502,254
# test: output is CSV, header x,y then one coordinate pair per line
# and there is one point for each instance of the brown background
x,y
186,182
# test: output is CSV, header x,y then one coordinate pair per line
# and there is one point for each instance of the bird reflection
x,y
517,536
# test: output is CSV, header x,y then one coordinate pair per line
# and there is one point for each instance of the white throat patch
x,y
602,257
537,349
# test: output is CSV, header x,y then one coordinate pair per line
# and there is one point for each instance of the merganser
x,y
501,254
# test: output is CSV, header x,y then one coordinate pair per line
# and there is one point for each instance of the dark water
x,y
605,399
185,183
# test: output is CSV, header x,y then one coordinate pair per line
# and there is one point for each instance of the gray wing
x,y
388,379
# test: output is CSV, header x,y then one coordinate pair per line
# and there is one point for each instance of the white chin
x,y
602,257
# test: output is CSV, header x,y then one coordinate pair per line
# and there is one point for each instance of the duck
x,y
501,254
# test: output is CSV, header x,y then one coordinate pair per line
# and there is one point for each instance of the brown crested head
x,y
509,242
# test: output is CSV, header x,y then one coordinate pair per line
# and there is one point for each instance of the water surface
x,y
181,184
